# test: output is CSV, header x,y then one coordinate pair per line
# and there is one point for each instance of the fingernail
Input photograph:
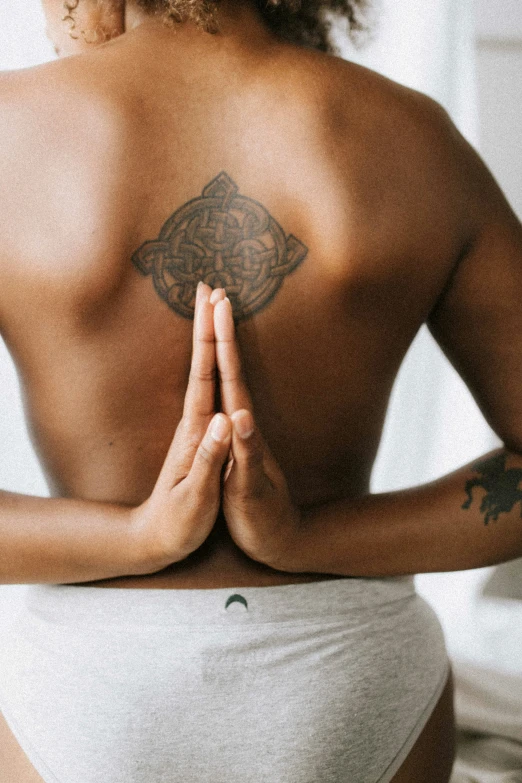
x,y
219,428
244,425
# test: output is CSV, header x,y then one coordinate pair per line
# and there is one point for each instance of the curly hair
x,y
308,22
303,22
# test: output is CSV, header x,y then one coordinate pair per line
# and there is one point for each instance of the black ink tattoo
x,y
501,486
236,598
228,241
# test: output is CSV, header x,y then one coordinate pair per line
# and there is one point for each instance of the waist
x,y
344,598
218,563
211,575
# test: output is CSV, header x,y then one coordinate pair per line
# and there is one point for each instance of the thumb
x,y
247,475
212,452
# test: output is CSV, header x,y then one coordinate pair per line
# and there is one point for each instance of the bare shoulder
x,y
388,133
38,98
361,94
21,130
52,108
30,102
55,131
409,174
413,130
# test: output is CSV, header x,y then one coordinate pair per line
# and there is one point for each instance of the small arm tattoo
x,y
501,485
228,241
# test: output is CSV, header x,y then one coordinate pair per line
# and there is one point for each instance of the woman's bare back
x,y
295,180
325,199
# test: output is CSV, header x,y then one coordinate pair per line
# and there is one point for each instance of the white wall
x,y
500,19
499,73
22,39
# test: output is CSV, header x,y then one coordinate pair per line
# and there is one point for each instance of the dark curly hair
x,y
304,22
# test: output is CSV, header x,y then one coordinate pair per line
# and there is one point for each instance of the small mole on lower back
x,y
111,443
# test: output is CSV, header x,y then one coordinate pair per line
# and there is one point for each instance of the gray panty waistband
x,y
306,602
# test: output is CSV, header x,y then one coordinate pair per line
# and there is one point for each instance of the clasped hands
x,y
218,460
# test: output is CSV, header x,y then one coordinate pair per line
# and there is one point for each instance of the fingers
x,y
199,398
247,475
211,454
217,295
234,392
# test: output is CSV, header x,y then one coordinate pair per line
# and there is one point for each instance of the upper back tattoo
x,y
228,241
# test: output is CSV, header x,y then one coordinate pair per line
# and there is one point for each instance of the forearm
x,y
447,525
46,540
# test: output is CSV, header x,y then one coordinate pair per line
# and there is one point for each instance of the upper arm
x,y
478,319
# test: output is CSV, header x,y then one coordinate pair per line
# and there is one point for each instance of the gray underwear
x,y
323,682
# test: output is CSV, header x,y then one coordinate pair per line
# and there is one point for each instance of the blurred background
x,y
468,55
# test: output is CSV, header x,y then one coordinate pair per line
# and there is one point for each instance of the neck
x,y
234,19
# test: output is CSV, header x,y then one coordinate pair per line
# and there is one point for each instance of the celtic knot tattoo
x,y
228,241
502,487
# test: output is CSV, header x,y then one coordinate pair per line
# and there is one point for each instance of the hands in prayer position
x,y
192,485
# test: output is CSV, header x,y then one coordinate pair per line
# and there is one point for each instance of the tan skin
x,y
402,224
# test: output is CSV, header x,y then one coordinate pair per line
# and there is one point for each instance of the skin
x,y
402,224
